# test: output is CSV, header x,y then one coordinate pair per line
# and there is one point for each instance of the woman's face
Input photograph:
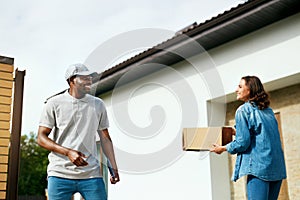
x,y
242,91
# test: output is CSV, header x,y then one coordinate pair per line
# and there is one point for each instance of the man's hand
x,y
77,158
114,179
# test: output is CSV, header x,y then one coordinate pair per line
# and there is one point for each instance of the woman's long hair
x,y
258,95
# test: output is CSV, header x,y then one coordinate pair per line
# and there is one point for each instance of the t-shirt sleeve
x,y
104,122
47,118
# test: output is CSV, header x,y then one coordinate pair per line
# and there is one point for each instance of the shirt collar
x,y
84,99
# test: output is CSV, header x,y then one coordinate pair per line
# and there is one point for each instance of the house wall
x,y
270,53
147,116
6,85
146,121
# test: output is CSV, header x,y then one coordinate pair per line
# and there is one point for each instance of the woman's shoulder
x,y
247,107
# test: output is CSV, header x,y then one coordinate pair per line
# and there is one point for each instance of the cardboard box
x,y
201,139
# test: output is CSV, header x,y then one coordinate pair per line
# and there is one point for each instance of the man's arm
x,y
44,141
108,150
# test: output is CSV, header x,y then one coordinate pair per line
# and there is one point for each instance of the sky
x,y
45,37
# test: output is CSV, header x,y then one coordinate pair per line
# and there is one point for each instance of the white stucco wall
x,y
147,115
160,106
270,53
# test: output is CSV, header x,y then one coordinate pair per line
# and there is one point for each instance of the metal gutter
x,y
226,27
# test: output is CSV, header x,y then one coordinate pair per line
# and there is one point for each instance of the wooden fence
x,y
11,104
6,87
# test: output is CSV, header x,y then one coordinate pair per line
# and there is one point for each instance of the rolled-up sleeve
x,y
242,137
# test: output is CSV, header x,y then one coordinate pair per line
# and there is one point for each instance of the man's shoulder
x,y
94,98
56,97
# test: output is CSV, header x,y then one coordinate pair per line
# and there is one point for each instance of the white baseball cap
x,y
77,69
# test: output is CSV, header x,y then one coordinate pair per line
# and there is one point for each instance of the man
x,y
73,118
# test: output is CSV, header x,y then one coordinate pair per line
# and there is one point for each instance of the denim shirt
x,y
257,144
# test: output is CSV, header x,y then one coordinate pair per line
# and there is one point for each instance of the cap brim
x,y
85,73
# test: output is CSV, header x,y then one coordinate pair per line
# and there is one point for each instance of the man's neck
x,y
76,94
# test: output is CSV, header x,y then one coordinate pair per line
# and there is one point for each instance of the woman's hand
x,y
233,131
218,149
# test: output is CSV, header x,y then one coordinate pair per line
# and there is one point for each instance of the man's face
x,y
83,83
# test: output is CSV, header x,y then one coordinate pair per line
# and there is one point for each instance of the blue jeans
x,y
63,189
258,189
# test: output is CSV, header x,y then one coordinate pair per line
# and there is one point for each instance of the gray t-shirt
x,y
74,123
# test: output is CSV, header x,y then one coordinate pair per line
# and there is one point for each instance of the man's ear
x,y
71,80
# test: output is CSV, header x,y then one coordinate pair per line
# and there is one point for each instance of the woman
x,y
257,142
